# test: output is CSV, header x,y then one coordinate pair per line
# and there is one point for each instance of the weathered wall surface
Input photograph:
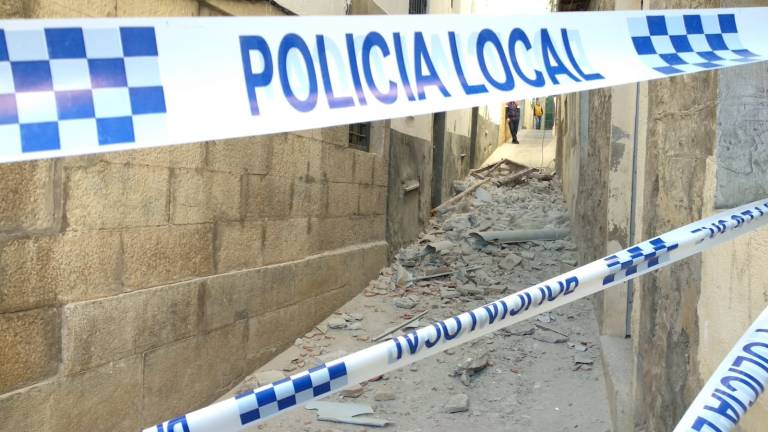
x,y
137,286
699,141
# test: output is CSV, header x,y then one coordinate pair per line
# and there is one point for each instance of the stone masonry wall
x,y
137,286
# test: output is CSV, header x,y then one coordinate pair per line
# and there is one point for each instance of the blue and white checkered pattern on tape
x,y
688,43
72,87
636,258
288,392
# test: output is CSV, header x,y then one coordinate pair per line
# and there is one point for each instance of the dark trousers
x,y
513,128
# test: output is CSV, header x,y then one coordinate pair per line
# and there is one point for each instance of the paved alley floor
x,y
536,149
544,374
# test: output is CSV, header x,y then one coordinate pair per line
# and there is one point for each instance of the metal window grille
x,y
417,7
360,136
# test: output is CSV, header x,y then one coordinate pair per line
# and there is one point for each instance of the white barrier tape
x,y
74,87
258,405
734,387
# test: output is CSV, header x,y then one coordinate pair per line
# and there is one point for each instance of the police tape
x,y
83,86
734,387
258,405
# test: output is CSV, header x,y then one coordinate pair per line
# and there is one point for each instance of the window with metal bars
x,y
417,7
360,136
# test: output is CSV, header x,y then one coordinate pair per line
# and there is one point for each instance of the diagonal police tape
x,y
734,387
83,86
258,405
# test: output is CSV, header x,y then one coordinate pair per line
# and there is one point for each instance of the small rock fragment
x,y
357,316
384,396
457,403
405,302
353,391
510,261
549,337
583,359
448,293
337,323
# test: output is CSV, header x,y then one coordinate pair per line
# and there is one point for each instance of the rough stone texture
x,y
338,164
155,256
15,408
287,240
198,197
99,331
239,245
112,196
141,8
168,314
176,156
268,196
407,212
290,157
263,341
333,233
363,167
219,357
30,347
236,296
342,199
107,398
742,136
12,9
72,9
309,198
86,265
250,155
28,196
680,139
321,274
25,274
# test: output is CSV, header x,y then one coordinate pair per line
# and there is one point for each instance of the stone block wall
x,y
140,285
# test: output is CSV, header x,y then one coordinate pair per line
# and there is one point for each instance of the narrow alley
x,y
542,374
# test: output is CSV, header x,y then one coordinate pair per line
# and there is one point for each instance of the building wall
x,y
694,155
137,286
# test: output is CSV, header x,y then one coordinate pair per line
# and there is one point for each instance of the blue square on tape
x,y
8,110
266,397
115,130
138,41
727,23
286,403
709,55
744,53
30,76
643,45
107,73
321,389
65,43
302,383
75,104
147,100
693,24
668,70
716,42
337,371
681,44
3,47
39,137
250,416
673,59
657,25
708,65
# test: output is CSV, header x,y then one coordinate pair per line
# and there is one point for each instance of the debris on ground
x,y
451,269
457,403
349,413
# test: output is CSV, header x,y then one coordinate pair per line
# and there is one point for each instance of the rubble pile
x,y
512,376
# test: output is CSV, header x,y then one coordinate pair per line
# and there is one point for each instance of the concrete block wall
x,y
137,286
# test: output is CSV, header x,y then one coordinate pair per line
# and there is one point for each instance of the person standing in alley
x,y
538,111
513,120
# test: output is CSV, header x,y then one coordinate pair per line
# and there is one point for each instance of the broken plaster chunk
x,y
457,403
337,323
583,359
549,337
448,293
510,261
405,302
353,391
384,396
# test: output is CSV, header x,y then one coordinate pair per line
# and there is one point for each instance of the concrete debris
x,y
545,317
460,186
391,330
550,337
384,396
483,195
354,326
510,261
405,302
357,316
353,391
457,403
337,323
348,413
519,236
583,359
522,330
471,289
449,293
